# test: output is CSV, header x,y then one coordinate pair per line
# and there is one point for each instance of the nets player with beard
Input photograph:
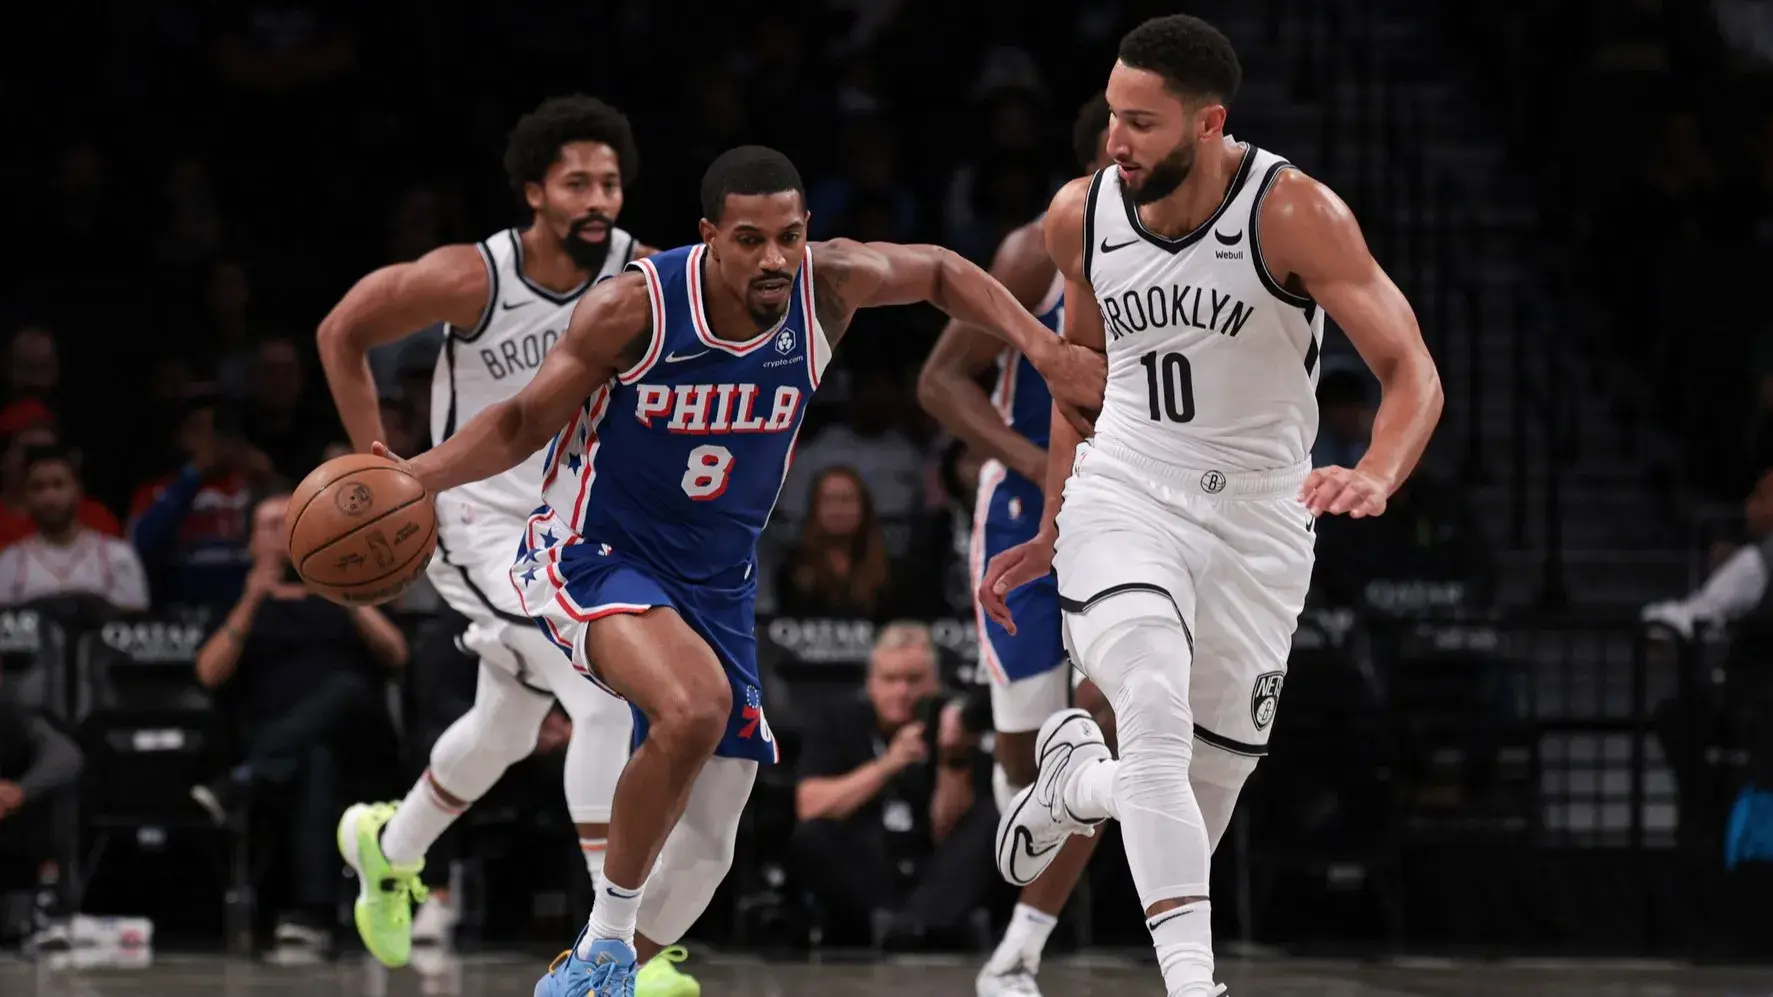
x,y
1183,548
1030,678
504,302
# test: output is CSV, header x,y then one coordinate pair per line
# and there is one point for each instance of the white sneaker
x,y
1037,821
1017,982
434,924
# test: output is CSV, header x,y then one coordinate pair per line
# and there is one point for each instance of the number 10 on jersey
x,y
1170,381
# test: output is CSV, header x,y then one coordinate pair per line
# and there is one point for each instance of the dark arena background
x,y
1523,743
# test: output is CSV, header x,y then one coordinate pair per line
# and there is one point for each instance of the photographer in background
x,y
307,675
38,764
891,840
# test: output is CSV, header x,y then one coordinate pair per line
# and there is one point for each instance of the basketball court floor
x,y
1071,977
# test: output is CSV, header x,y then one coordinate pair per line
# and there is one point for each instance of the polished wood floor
x,y
482,976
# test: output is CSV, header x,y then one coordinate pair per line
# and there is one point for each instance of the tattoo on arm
x,y
830,275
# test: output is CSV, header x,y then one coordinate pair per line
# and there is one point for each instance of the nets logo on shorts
x,y
1212,482
1266,698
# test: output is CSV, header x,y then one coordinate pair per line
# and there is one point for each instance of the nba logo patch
x,y
785,342
1265,699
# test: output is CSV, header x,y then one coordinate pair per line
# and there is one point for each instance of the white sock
x,y
613,914
1089,793
593,850
1022,941
422,818
1183,938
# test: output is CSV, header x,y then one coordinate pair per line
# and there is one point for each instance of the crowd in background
x,y
252,160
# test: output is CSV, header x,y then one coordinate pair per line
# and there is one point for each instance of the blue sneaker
x,y
608,973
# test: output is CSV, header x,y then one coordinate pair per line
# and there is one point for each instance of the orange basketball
x,y
361,530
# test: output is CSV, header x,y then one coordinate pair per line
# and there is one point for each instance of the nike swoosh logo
x,y
1106,248
674,358
1229,240
509,306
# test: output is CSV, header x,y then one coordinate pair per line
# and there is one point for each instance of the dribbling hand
x,y
1338,491
1010,570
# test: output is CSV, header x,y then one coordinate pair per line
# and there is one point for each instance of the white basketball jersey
x,y
1212,364
489,363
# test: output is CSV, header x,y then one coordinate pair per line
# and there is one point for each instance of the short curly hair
x,y
1086,131
1192,56
536,141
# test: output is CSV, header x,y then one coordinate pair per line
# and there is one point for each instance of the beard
x,y
588,256
53,522
1162,179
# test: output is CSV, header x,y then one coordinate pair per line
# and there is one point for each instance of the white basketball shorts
x,y
1228,553
472,572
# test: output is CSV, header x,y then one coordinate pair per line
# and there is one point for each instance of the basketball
x,y
361,530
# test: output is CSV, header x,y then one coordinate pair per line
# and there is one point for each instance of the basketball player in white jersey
x,y
1030,678
504,302
1183,547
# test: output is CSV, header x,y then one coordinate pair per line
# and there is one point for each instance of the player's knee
x,y
693,716
1218,767
484,733
1151,700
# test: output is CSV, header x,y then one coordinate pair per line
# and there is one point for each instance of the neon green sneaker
x,y
386,893
660,977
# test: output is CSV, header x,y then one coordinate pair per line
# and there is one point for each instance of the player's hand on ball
x,y
380,449
1010,570
1339,491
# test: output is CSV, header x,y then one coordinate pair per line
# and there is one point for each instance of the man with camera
x,y
890,841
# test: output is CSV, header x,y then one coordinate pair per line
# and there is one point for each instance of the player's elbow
x,y
933,383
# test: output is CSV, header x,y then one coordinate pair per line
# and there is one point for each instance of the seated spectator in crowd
x,y
307,675
840,567
38,766
282,419
26,425
1737,587
1427,555
191,527
1730,715
890,841
1345,419
872,443
65,557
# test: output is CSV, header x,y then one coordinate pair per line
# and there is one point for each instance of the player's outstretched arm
x,y
1063,233
853,275
948,386
610,331
1308,233
448,284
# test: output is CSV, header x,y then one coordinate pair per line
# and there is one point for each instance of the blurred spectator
x,y
38,766
191,526
308,675
24,426
65,557
1426,556
868,183
194,227
280,421
34,369
892,846
1345,419
1738,586
840,566
872,443
231,336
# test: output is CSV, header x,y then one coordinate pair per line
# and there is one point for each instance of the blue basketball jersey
x,y
1020,394
678,461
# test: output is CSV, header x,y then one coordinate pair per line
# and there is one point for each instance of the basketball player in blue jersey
x,y
503,302
1028,670
672,403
